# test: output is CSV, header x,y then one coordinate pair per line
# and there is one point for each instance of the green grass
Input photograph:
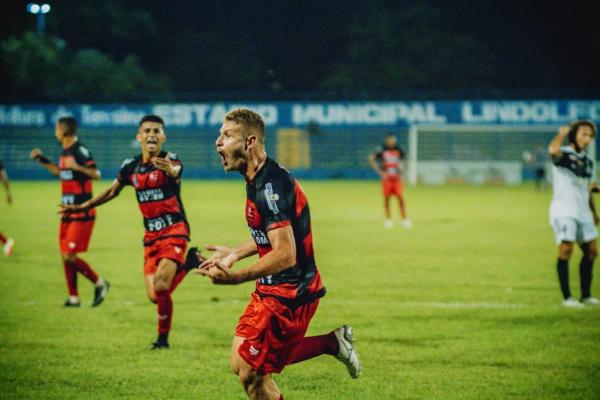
x,y
463,306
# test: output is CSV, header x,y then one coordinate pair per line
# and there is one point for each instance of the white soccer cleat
x,y
347,353
388,223
590,301
572,303
8,247
406,223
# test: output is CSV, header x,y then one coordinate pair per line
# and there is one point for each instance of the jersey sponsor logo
x,y
177,249
153,176
68,199
253,351
134,181
83,150
66,175
266,280
160,223
260,237
271,198
150,195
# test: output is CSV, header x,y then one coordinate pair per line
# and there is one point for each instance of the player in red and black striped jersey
x,y
270,333
156,177
76,168
7,243
388,162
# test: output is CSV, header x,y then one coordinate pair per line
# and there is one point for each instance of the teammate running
x,y
156,177
8,244
76,168
572,212
270,333
388,163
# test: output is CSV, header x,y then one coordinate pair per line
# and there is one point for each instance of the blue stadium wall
x,y
321,140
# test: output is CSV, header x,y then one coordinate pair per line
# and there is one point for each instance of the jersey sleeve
x,y
124,174
275,204
563,159
402,152
175,160
84,157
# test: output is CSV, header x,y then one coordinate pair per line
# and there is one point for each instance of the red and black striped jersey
x,y
76,186
391,160
276,199
158,196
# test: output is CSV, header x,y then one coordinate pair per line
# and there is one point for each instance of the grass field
x,y
465,305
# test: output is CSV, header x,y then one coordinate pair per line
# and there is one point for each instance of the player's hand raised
x,y
165,164
35,153
564,130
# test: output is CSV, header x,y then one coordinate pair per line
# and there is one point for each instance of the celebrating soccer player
x,y
388,162
270,333
7,243
572,212
76,169
156,177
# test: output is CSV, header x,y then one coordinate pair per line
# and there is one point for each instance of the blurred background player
x,y
270,333
156,177
7,243
572,212
76,168
388,163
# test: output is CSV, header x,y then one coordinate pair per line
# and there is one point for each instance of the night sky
x,y
439,48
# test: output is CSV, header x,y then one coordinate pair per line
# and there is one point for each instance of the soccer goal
x,y
477,154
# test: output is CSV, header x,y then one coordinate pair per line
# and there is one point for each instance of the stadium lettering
x,y
366,114
16,116
527,112
122,116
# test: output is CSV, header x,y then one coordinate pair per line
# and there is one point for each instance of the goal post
x,y
477,154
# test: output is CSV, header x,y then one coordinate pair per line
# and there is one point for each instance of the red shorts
x,y
272,332
172,248
392,186
75,236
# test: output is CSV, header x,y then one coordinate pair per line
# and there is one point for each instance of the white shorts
x,y
573,230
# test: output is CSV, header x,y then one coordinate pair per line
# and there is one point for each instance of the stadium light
x,y
40,10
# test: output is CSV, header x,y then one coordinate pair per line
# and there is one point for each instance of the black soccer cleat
x,y
159,345
69,304
193,259
100,293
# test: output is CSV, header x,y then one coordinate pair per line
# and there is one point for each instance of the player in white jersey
x,y
572,212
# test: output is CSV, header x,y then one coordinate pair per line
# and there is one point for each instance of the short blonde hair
x,y
250,119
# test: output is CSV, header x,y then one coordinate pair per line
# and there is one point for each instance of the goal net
x,y
486,154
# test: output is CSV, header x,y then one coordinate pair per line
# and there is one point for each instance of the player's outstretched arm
x,y
374,165
91,172
227,256
557,142
283,256
37,155
105,196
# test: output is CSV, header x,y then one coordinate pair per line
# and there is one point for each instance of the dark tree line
x,y
118,50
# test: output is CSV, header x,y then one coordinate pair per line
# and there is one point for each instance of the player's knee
x,y
565,250
161,282
250,379
69,257
591,253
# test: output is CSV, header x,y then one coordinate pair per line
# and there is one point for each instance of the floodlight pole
x,y
40,11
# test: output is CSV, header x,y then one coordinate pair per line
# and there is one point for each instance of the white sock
x,y
73,299
99,282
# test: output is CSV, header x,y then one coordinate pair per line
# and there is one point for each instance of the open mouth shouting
x,y
223,158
